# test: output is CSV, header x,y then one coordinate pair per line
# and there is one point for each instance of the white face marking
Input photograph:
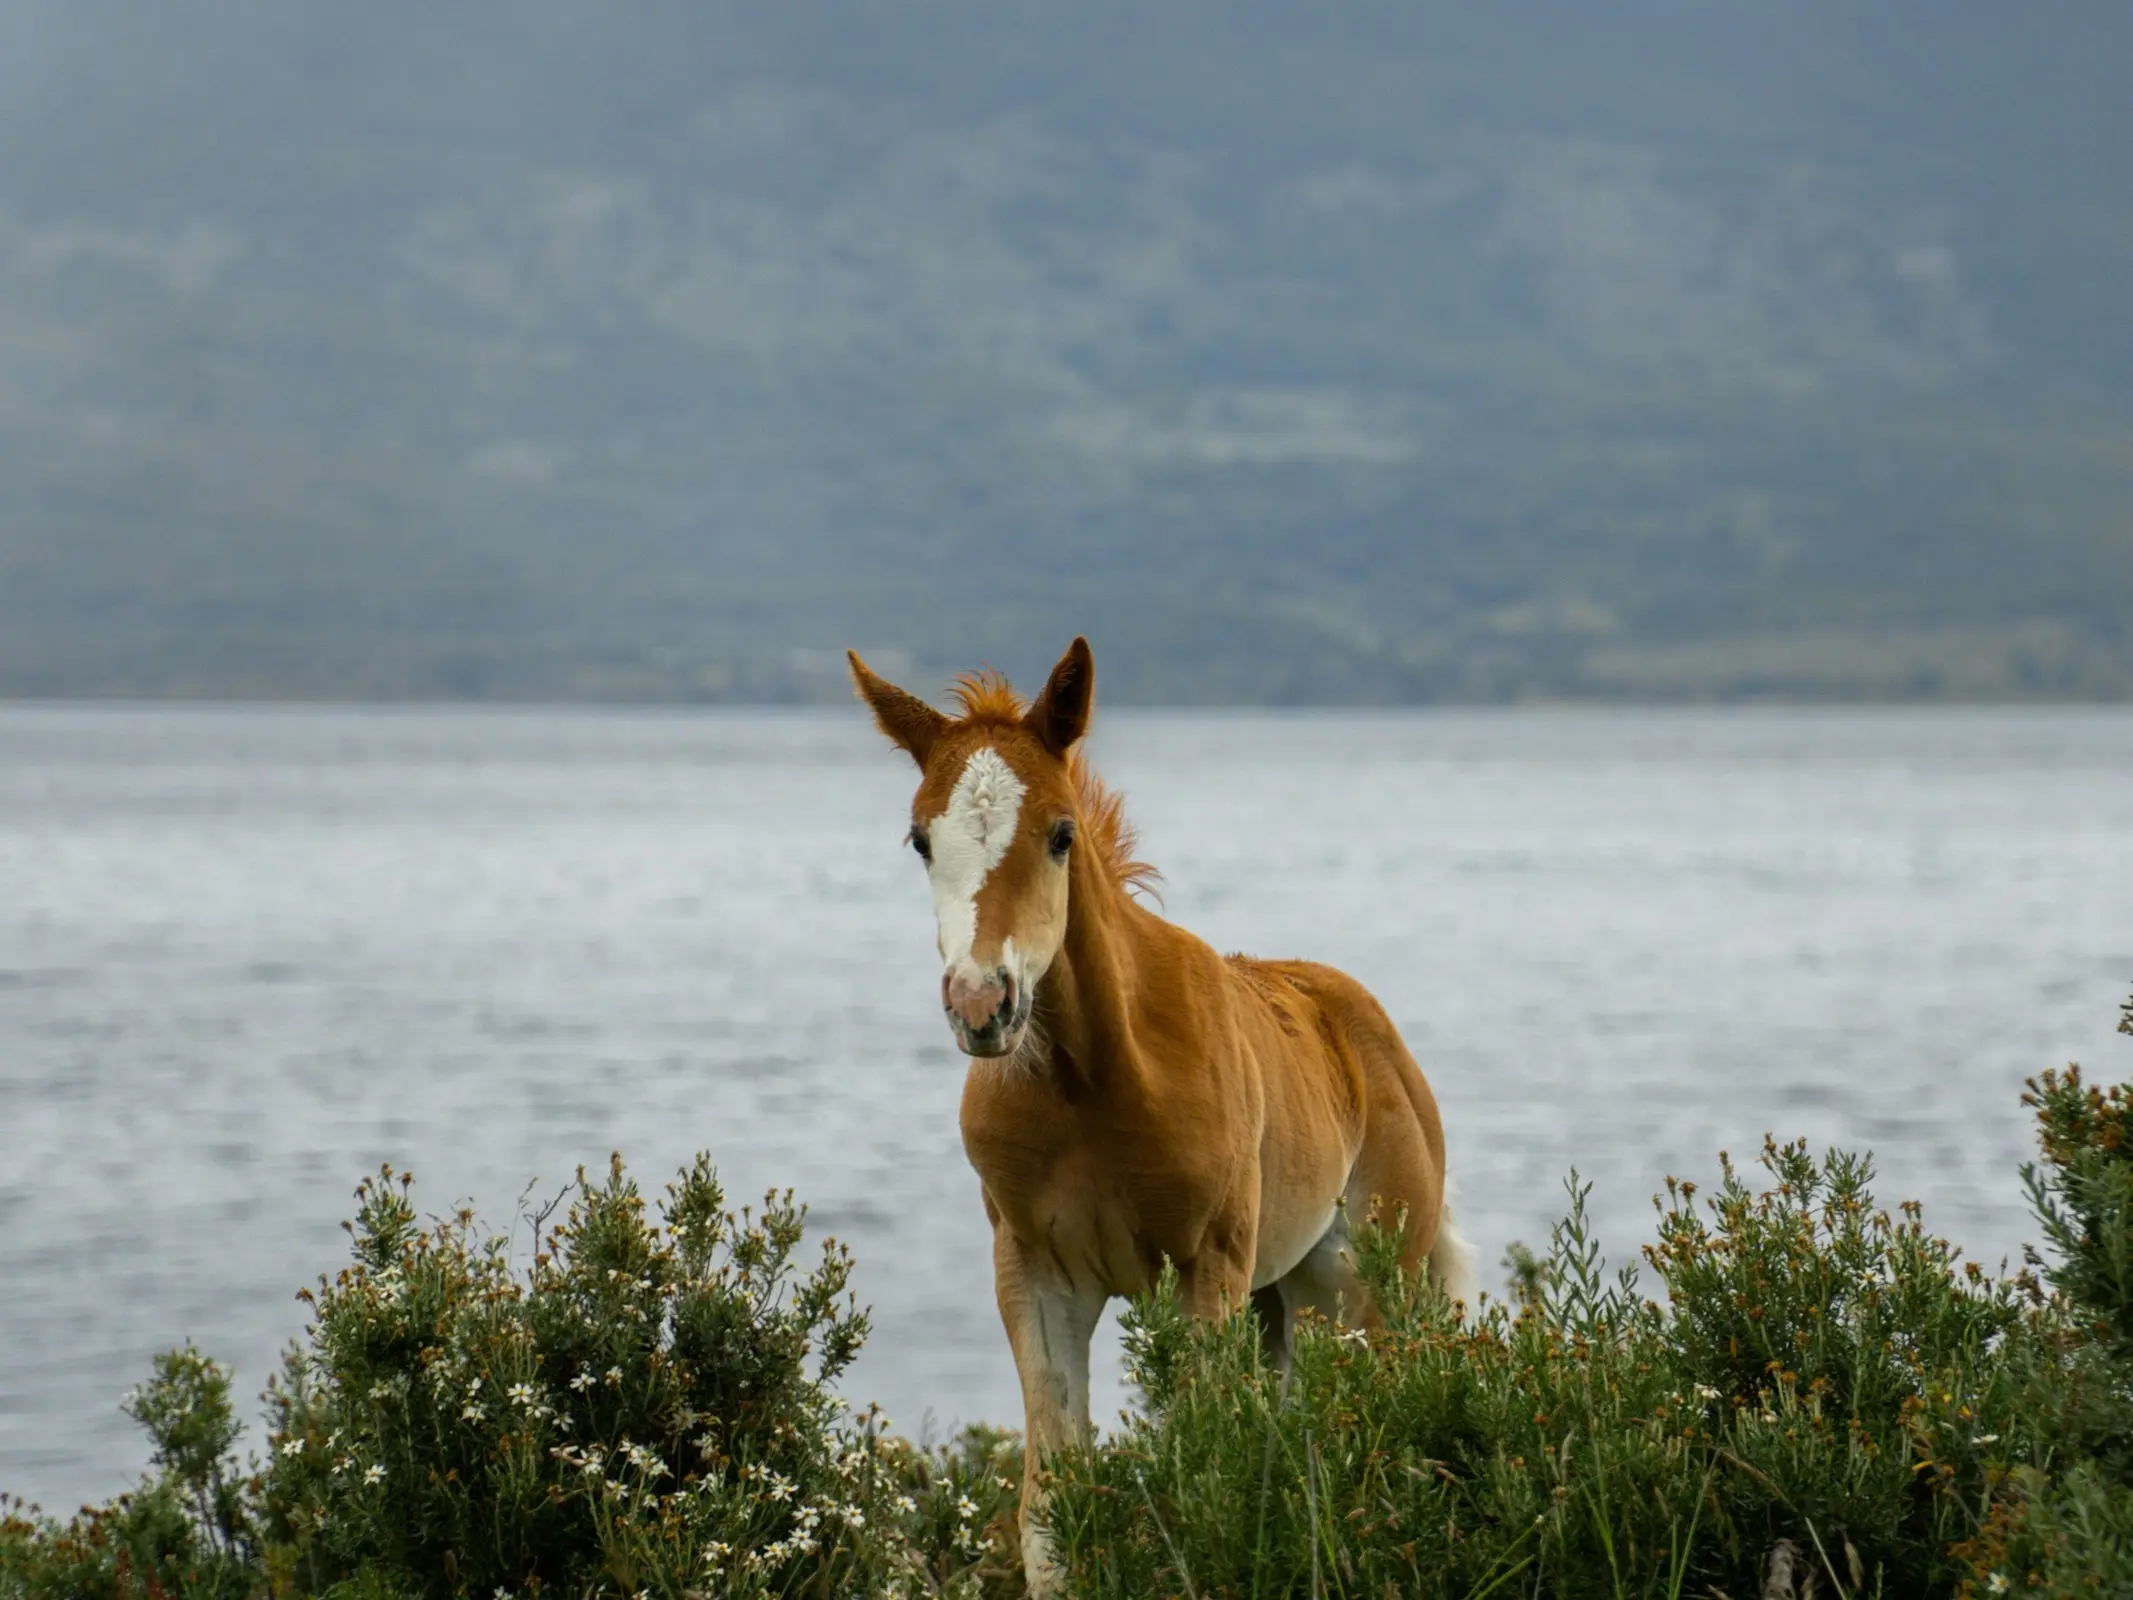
x,y
967,841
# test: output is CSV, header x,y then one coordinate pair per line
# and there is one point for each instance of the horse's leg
x,y
1049,1324
1217,1281
1273,1314
1397,1184
1325,1281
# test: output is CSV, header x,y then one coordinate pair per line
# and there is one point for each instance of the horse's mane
x,y
985,698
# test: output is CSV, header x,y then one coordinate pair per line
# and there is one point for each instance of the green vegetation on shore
x,y
1824,1401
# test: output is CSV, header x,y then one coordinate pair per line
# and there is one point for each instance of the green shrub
x,y
1825,1376
958,1501
184,1533
1828,1400
2070,1531
1819,1398
2082,1194
185,1409
644,1409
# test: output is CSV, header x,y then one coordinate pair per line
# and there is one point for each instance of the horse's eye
x,y
919,843
1062,838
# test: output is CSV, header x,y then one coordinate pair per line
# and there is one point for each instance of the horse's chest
x,y
1101,1213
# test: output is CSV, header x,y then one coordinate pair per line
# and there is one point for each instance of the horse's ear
x,y
905,718
1061,713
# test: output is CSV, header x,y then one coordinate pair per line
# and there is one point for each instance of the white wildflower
x,y
906,1504
1705,1392
965,1507
1996,1584
374,1474
582,1382
520,1394
614,1374
854,1517
1987,1438
293,1445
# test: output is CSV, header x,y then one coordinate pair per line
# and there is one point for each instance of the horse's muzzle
x,y
987,1013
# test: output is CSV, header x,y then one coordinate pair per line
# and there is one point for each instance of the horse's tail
x,y
1451,1258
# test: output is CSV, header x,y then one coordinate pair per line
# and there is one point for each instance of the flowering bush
x,y
2066,1527
1828,1401
1822,1399
1824,1378
183,1532
644,1410
958,1502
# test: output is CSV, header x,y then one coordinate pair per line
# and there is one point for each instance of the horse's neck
x,y
1092,994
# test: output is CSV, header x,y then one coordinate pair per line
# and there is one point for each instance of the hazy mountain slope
x,y
1658,349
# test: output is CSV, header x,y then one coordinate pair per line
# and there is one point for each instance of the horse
x,y
1133,1097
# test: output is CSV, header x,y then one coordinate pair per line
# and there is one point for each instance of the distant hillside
x,y
1394,352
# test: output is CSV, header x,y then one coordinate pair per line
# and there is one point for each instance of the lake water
x,y
247,955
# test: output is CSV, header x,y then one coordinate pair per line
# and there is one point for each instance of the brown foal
x,y
1133,1096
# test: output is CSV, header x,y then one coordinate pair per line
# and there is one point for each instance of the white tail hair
x,y
1451,1258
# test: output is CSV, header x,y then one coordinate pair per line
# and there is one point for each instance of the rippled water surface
x,y
247,955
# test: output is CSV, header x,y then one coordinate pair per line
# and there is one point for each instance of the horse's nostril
x,y
980,1004
1007,993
